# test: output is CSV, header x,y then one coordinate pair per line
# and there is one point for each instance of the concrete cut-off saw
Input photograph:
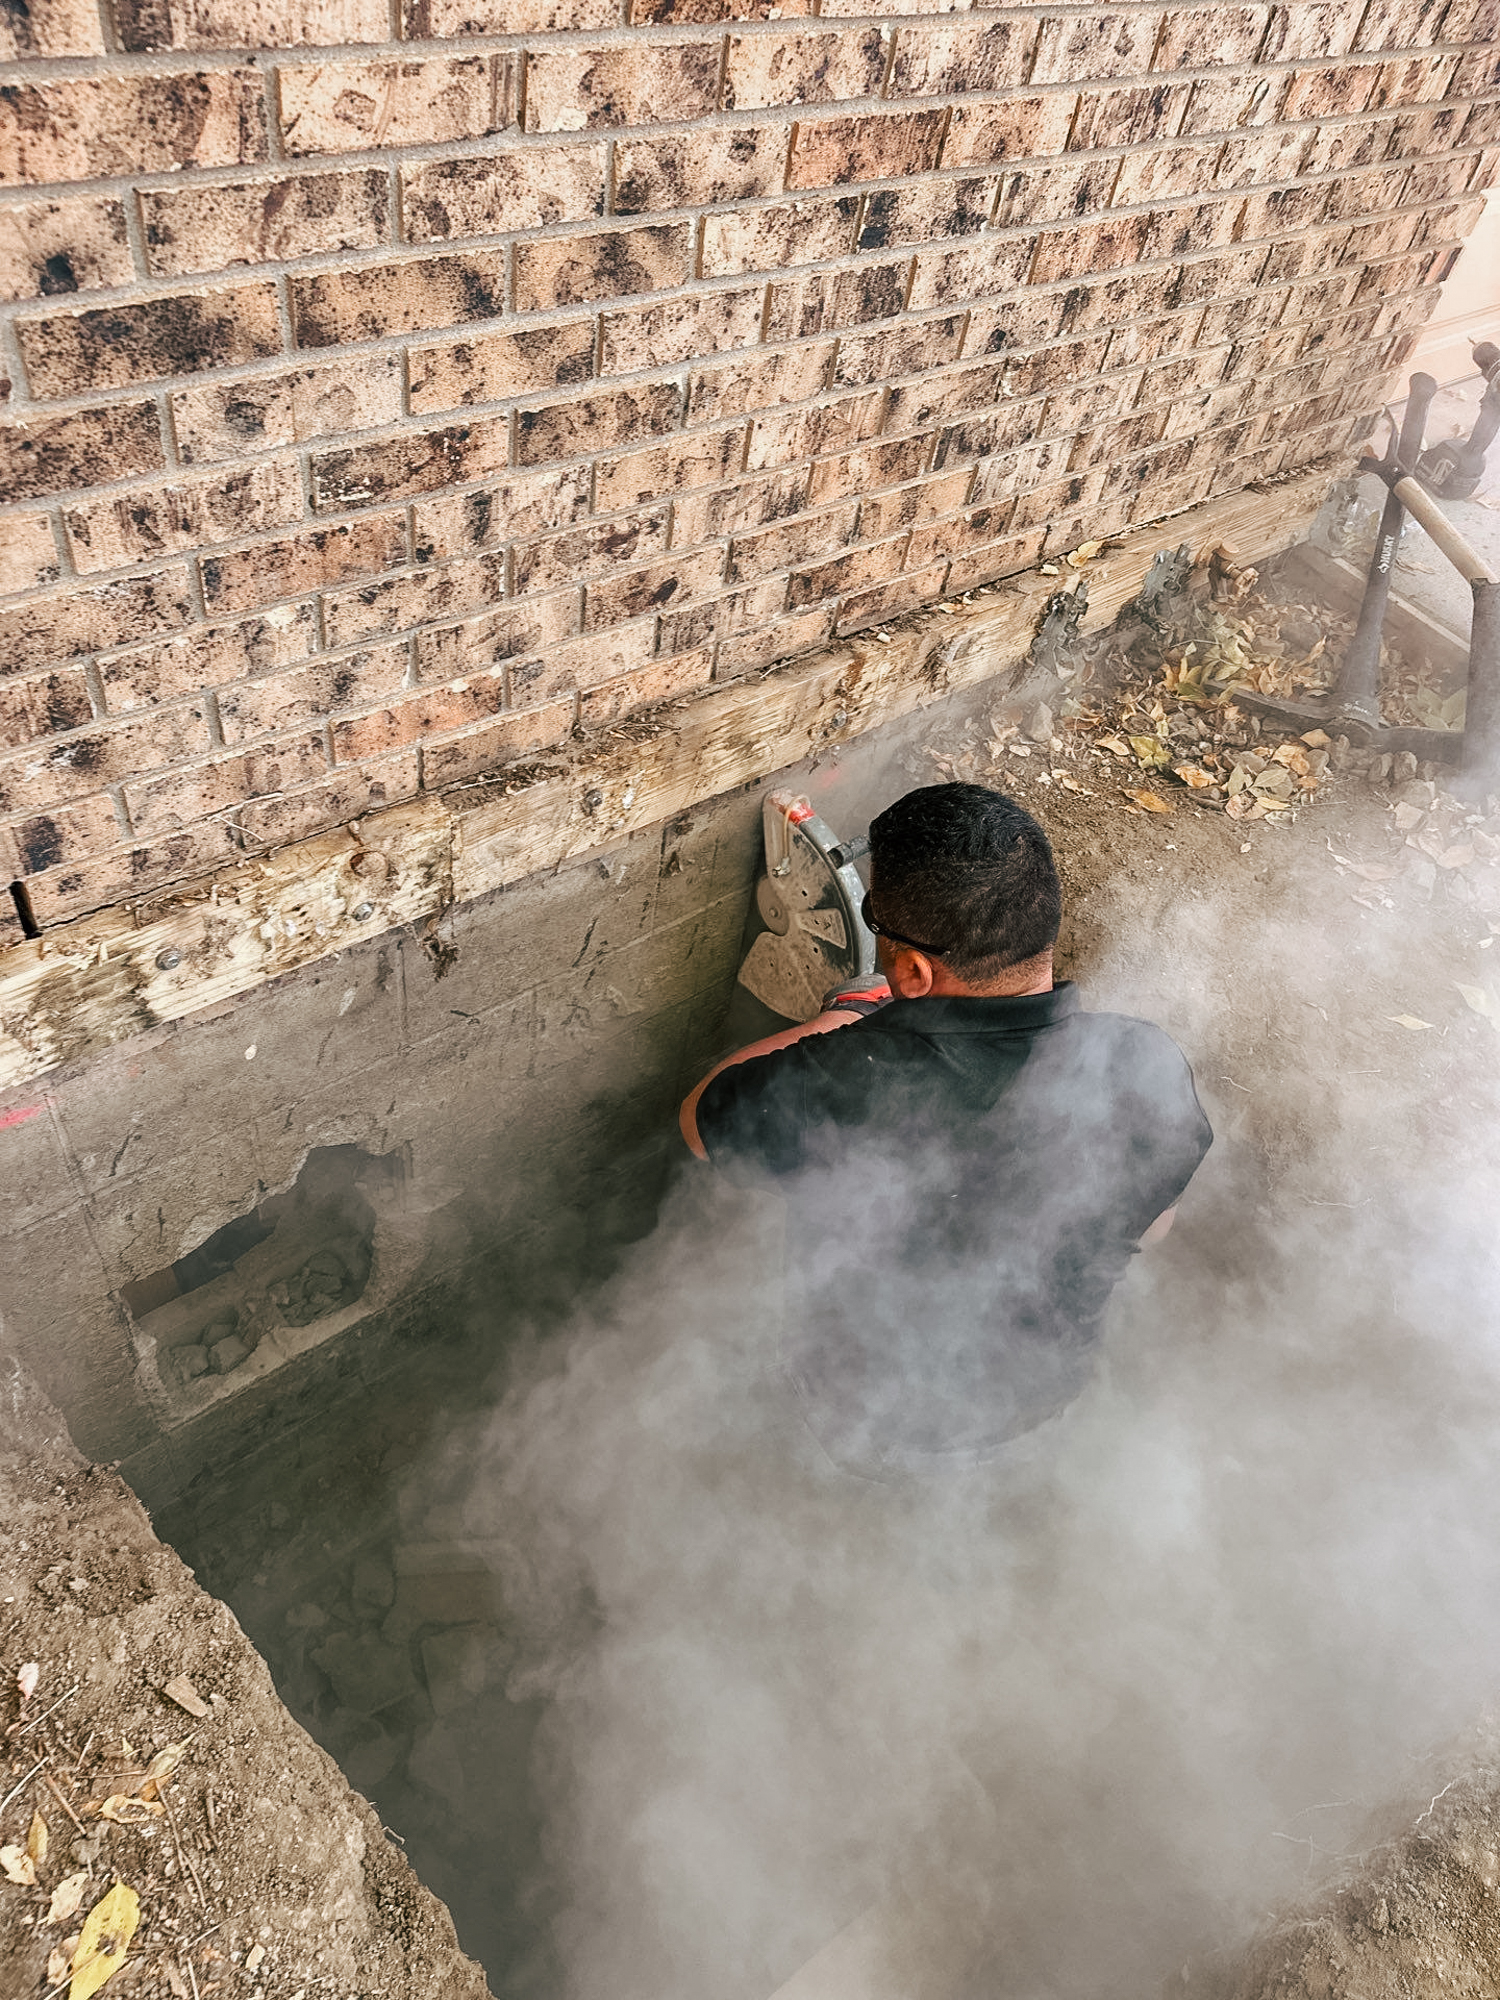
x,y
814,939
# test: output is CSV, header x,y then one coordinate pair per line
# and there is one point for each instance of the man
x,y
969,1160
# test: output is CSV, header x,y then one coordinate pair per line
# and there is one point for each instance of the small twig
x,y
16,1790
21,1731
208,1813
88,1745
182,1854
65,1806
187,1960
1433,1801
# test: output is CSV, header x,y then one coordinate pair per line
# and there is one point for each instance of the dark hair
x,y
968,869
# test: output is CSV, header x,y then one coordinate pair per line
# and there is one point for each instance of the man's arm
x,y
1160,1227
833,1016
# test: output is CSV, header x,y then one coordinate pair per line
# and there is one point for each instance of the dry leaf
x,y
163,1764
1477,998
1455,857
18,1866
67,1898
255,1958
1238,807
57,1966
104,1940
1194,776
1114,746
1084,553
121,1810
1408,1021
1149,802
36,1838
181,1690
26,1680
1317,739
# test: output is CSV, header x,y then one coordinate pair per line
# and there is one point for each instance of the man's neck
x,y
1032,975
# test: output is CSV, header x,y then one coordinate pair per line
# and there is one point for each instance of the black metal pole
x,y
1479,775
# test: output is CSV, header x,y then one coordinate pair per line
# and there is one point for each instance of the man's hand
x,y
839,1009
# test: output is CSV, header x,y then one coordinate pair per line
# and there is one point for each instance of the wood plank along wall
x,y
396,387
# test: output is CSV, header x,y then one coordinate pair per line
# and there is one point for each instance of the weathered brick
x,y
349,794
1047,194
231,24
912,506
71,766
1115,300
28,554
220,784
213,656
1063,499
828,300
584,662
1328,92
1202,37
792,543
110,347
190,229
1179,230
226,420
590,550
1432,181
1158,173
521,187
835,425
833,152
596,423
671,582
1023,321
778,375
50,28
416,295
953,277
1211,277
801,67
412,462
446,652
615,264
1072,47
50,247
42,631
875,466
86,126
680,330
182,515
1029,126
1304,33
528,503
783,639
662,680
1095,246
1019,471
1163,110
125,872
926,211
448,590
680,13
1422,79
937,62
1283,211
915,405
698,460
34,705
491,367
444,19
1177,334
64,834
573,90
713,617
419,100
301,563
689,169
770,239
909,348
854,571
427,711
1108,446
738,509
1255,157
277,702
488,746
1004,558
864,608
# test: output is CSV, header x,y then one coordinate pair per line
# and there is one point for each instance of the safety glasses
x,y
867,917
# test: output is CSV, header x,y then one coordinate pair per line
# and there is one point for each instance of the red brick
x,y
784,639
792,542
88,126
527,504
833,152
680,330
348,795
663,680
71,766
301,563
803,68
1023,127
213,421
44,631
184,515
828,300
446,652
51,28
595,423
189,229
416,295
28,553
845,573
393,604
672,582
492,367
692,169
954,60
412,101
427,711
35,705
63,834
589,550
521,187
223,783
488,746
776,375
63,246
111,347
571,90
412,462
925,212
278,702
700,460
770,239
619,263
211,656
737,510
1072,47
910,348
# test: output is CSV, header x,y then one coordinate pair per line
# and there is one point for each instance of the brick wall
x,y
395,386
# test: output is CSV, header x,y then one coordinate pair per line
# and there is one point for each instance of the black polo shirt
x,y
966,1180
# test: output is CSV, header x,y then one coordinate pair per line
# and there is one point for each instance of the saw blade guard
x,y
808,900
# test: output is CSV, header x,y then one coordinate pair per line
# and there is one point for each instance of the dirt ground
x,y
258,1872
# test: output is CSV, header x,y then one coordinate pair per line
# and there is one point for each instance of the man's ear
x,y
910,974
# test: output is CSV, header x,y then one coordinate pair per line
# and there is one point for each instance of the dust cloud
x,y
1060,1725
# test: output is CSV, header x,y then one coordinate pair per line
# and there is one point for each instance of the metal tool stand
x,y
1353,707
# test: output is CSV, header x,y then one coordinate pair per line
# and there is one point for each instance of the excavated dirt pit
x,y
658,1707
